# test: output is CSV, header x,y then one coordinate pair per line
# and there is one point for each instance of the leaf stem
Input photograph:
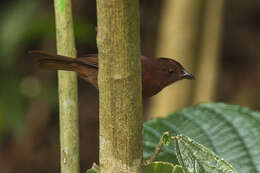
x,y
156,151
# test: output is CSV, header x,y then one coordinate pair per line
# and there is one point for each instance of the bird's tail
x,y
54,62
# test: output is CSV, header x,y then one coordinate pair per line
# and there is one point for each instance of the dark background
x,y
29,139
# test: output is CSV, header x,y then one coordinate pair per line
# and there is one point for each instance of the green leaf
x,y
194,157
178,169
163,167
95,169
231,131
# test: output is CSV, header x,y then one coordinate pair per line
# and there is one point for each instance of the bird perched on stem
x,y
157,73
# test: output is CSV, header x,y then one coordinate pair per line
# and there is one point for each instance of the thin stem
x,y
68,98
156,151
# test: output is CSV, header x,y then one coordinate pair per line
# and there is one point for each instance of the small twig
x,y
175,137
156,151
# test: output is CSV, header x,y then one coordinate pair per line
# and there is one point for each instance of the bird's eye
x,y
170,71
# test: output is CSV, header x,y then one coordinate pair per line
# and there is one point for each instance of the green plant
x,y
200,131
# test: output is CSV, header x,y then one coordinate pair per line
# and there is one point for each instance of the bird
x,y
157,73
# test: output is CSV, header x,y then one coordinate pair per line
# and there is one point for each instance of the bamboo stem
x,y
68,98
209,53
119,80
178,35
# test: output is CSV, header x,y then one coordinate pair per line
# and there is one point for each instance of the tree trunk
x,y
68,98
119,81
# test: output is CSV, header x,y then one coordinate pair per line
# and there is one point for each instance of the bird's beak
x,y
187,75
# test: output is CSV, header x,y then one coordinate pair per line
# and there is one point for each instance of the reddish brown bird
x,y
157,73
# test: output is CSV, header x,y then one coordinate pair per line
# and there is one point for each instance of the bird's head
x,y
173,71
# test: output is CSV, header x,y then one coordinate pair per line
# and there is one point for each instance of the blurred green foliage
x,y
24,23
12,105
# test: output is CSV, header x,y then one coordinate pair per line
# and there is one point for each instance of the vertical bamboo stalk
x,y
68,98
178,35
119,81
208,66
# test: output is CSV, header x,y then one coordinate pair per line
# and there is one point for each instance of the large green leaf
x,y
195,157
230,131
